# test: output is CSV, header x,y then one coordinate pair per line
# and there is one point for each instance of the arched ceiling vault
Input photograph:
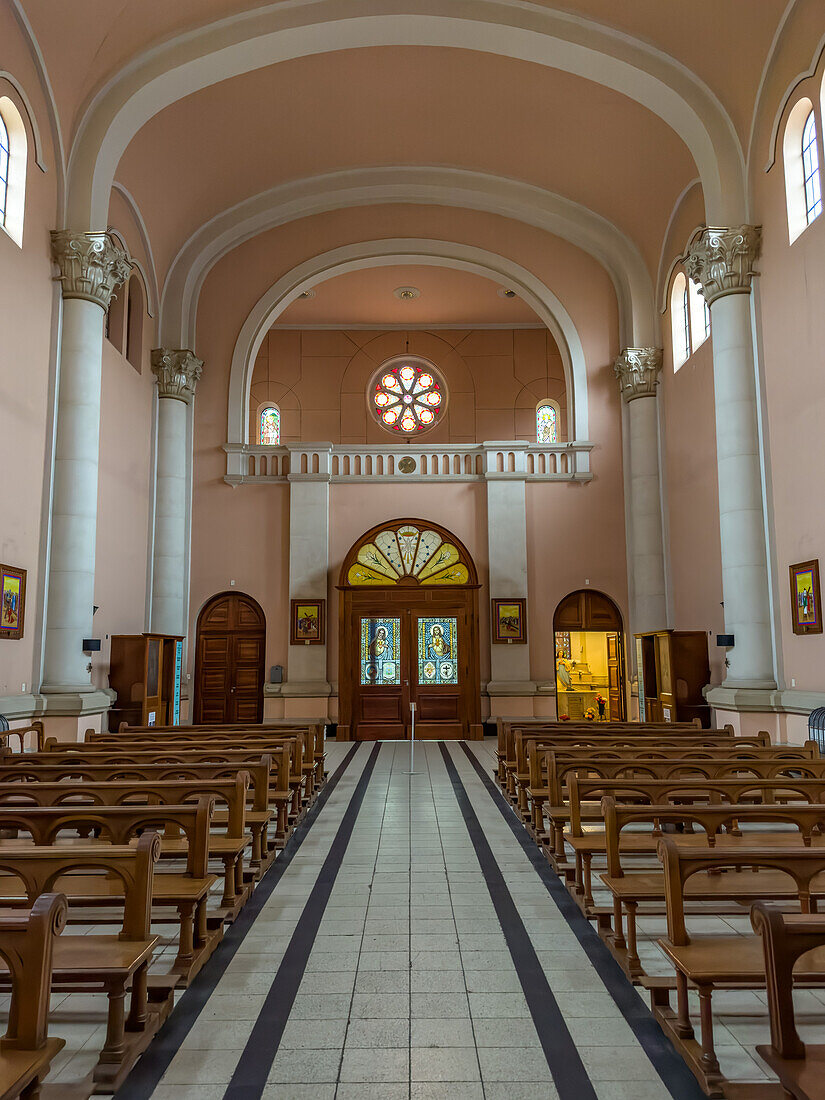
x,y
619,256
276,33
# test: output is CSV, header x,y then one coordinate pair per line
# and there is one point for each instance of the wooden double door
x,y
409,651
229,660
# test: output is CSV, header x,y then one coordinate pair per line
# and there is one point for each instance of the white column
x,y
91,267
177,372
637,371
308,573
721,261
507,547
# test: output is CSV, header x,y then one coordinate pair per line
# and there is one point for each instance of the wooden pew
x,y
187,892
34,732
44,787
706,963
27,951
787,937
109,964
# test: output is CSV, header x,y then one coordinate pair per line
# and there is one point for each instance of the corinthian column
x,y
91,266
176,372
721,261
637,371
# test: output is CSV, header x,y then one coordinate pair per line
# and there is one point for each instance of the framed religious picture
x,y
308,622
509,622
12,601
806,604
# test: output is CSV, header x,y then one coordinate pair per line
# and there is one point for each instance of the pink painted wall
x,y
27,298
789,296
495,378
688,424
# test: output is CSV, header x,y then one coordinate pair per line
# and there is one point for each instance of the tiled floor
x,y
410,989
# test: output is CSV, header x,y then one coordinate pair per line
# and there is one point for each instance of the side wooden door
x,y
229,660
615,694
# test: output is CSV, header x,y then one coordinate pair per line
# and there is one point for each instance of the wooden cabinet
x,y
673,668
145,671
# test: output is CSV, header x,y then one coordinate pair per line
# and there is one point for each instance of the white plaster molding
x,y
534,206
778,701
806,74
177,372
150,278
51,105
410,251
666,239
721,260
637,371
92,265
276,32
57,705
20,91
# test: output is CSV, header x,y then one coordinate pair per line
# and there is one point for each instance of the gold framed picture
x,y
509,621
12,601
806,603
308,622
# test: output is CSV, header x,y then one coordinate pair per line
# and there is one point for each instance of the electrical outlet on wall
x,y
23,687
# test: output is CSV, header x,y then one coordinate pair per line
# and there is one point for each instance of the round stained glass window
x,y
407,396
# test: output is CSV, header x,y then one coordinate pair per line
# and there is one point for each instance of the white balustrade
x,y
490,461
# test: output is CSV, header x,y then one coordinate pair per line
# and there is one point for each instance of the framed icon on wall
x,y
806,602
509,620
12,601
308,622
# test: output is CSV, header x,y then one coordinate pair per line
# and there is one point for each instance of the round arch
x,y
570,43
434,186
394,526
414,251
595,622
230,641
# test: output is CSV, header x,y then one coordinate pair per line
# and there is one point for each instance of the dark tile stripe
x,y
144,1078
667,1063
255,1063
569,1075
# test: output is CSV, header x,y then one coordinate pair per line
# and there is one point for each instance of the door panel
x,y
229,664
615,695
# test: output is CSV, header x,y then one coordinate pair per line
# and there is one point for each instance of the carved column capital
x,y
177,371
721,260
92,266
637,371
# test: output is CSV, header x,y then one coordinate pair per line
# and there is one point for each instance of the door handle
x,y
232,689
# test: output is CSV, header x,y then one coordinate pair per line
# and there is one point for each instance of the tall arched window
x,y
699,317
810,170
680,320
13,157
270,433
4,169
803,185
547,422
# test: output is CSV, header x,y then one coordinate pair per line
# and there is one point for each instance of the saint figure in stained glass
x,y
547,424
380,651
437,656
270,427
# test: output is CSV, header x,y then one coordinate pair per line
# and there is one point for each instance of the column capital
x,y
721,259
637,371
176,371
92,265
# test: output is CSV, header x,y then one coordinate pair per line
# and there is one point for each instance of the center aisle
x,y
411,949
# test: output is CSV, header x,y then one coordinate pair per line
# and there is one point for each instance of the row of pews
x,y
723,838
123,859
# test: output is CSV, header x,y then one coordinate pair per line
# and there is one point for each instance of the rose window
x,y
407,397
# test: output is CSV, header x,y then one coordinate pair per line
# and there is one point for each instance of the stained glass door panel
x,y
380,655
438,650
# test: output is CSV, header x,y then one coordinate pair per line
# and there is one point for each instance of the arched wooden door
x,y
229,660
590,612
409,635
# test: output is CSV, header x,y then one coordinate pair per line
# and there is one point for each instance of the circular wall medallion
x,y
407,395
406,465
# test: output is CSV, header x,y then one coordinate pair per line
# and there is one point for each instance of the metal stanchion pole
x,y
412,738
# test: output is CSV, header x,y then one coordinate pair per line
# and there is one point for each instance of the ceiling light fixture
x,y
307,294
506,292
407,293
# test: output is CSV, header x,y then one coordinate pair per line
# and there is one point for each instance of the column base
x,y
753,696
511,687
57,702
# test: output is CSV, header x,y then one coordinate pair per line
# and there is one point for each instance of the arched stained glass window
x,y
270,426
810,170
547,423
4,170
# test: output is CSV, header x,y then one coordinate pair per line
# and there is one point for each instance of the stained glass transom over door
x,y
408,552
438,651
407,397
380,651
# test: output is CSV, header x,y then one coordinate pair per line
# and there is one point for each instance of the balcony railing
x,y
491,461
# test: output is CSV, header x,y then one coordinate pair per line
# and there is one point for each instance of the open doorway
x,y
590,681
